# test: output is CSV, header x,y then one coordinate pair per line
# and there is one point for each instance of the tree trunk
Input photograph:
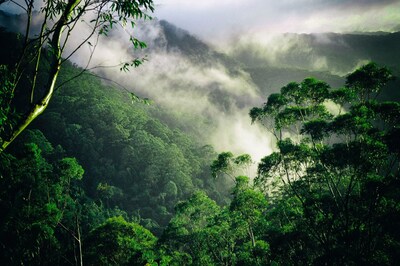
x,y
39,107
79,242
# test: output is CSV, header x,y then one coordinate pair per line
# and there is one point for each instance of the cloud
x,y
216,20
350,18
236,134
210,97
206,98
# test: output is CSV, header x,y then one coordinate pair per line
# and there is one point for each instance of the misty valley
x,y
275,151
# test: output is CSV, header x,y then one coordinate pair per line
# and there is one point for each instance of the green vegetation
x,y
127,189
135,167
333,182
57,20
86,192
132,160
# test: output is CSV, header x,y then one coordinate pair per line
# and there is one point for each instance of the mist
x,y
210,102
216,21
323,52
210,97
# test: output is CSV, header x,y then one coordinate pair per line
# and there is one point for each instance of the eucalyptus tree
x,y
58,20
339,170
228,165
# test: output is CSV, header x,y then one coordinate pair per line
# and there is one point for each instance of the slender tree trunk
x,y
33,114
251,234
79,242
55,66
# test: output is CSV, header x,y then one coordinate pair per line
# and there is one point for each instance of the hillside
x,y
333,52
145,165
128,146
134,163
104,177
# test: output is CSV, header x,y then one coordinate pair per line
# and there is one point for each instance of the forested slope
x,y
101,179
132,160
96,153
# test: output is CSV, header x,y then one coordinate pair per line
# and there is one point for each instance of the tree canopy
x,y
130,190
339,170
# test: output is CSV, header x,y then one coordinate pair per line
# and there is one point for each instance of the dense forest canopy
x,y
105,178
330,188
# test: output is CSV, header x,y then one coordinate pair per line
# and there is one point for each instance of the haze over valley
x,y
215,85
215,133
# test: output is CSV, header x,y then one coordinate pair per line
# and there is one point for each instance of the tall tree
x,y
339,170
58,19
185,232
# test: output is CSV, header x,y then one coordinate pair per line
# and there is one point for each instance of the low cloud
x,y
207,96
337,54
215,21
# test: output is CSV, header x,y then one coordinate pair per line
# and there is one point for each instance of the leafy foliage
x,y
132,160
118,242
336,169
87,170
328,194
38,195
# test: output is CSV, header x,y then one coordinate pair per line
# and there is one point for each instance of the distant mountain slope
x,y
271,79
326,56
348,49
333,52
194,48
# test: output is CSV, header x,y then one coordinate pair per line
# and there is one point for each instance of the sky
x,y
215,20
218,19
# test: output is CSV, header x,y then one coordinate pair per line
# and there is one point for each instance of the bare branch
x,y
83,42
39,53
17,4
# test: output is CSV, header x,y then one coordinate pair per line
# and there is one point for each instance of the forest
x,y
106,177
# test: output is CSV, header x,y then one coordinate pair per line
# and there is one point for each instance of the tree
x,y
185,232
249,205
118,242
227,164
39,202
58,18
338,170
